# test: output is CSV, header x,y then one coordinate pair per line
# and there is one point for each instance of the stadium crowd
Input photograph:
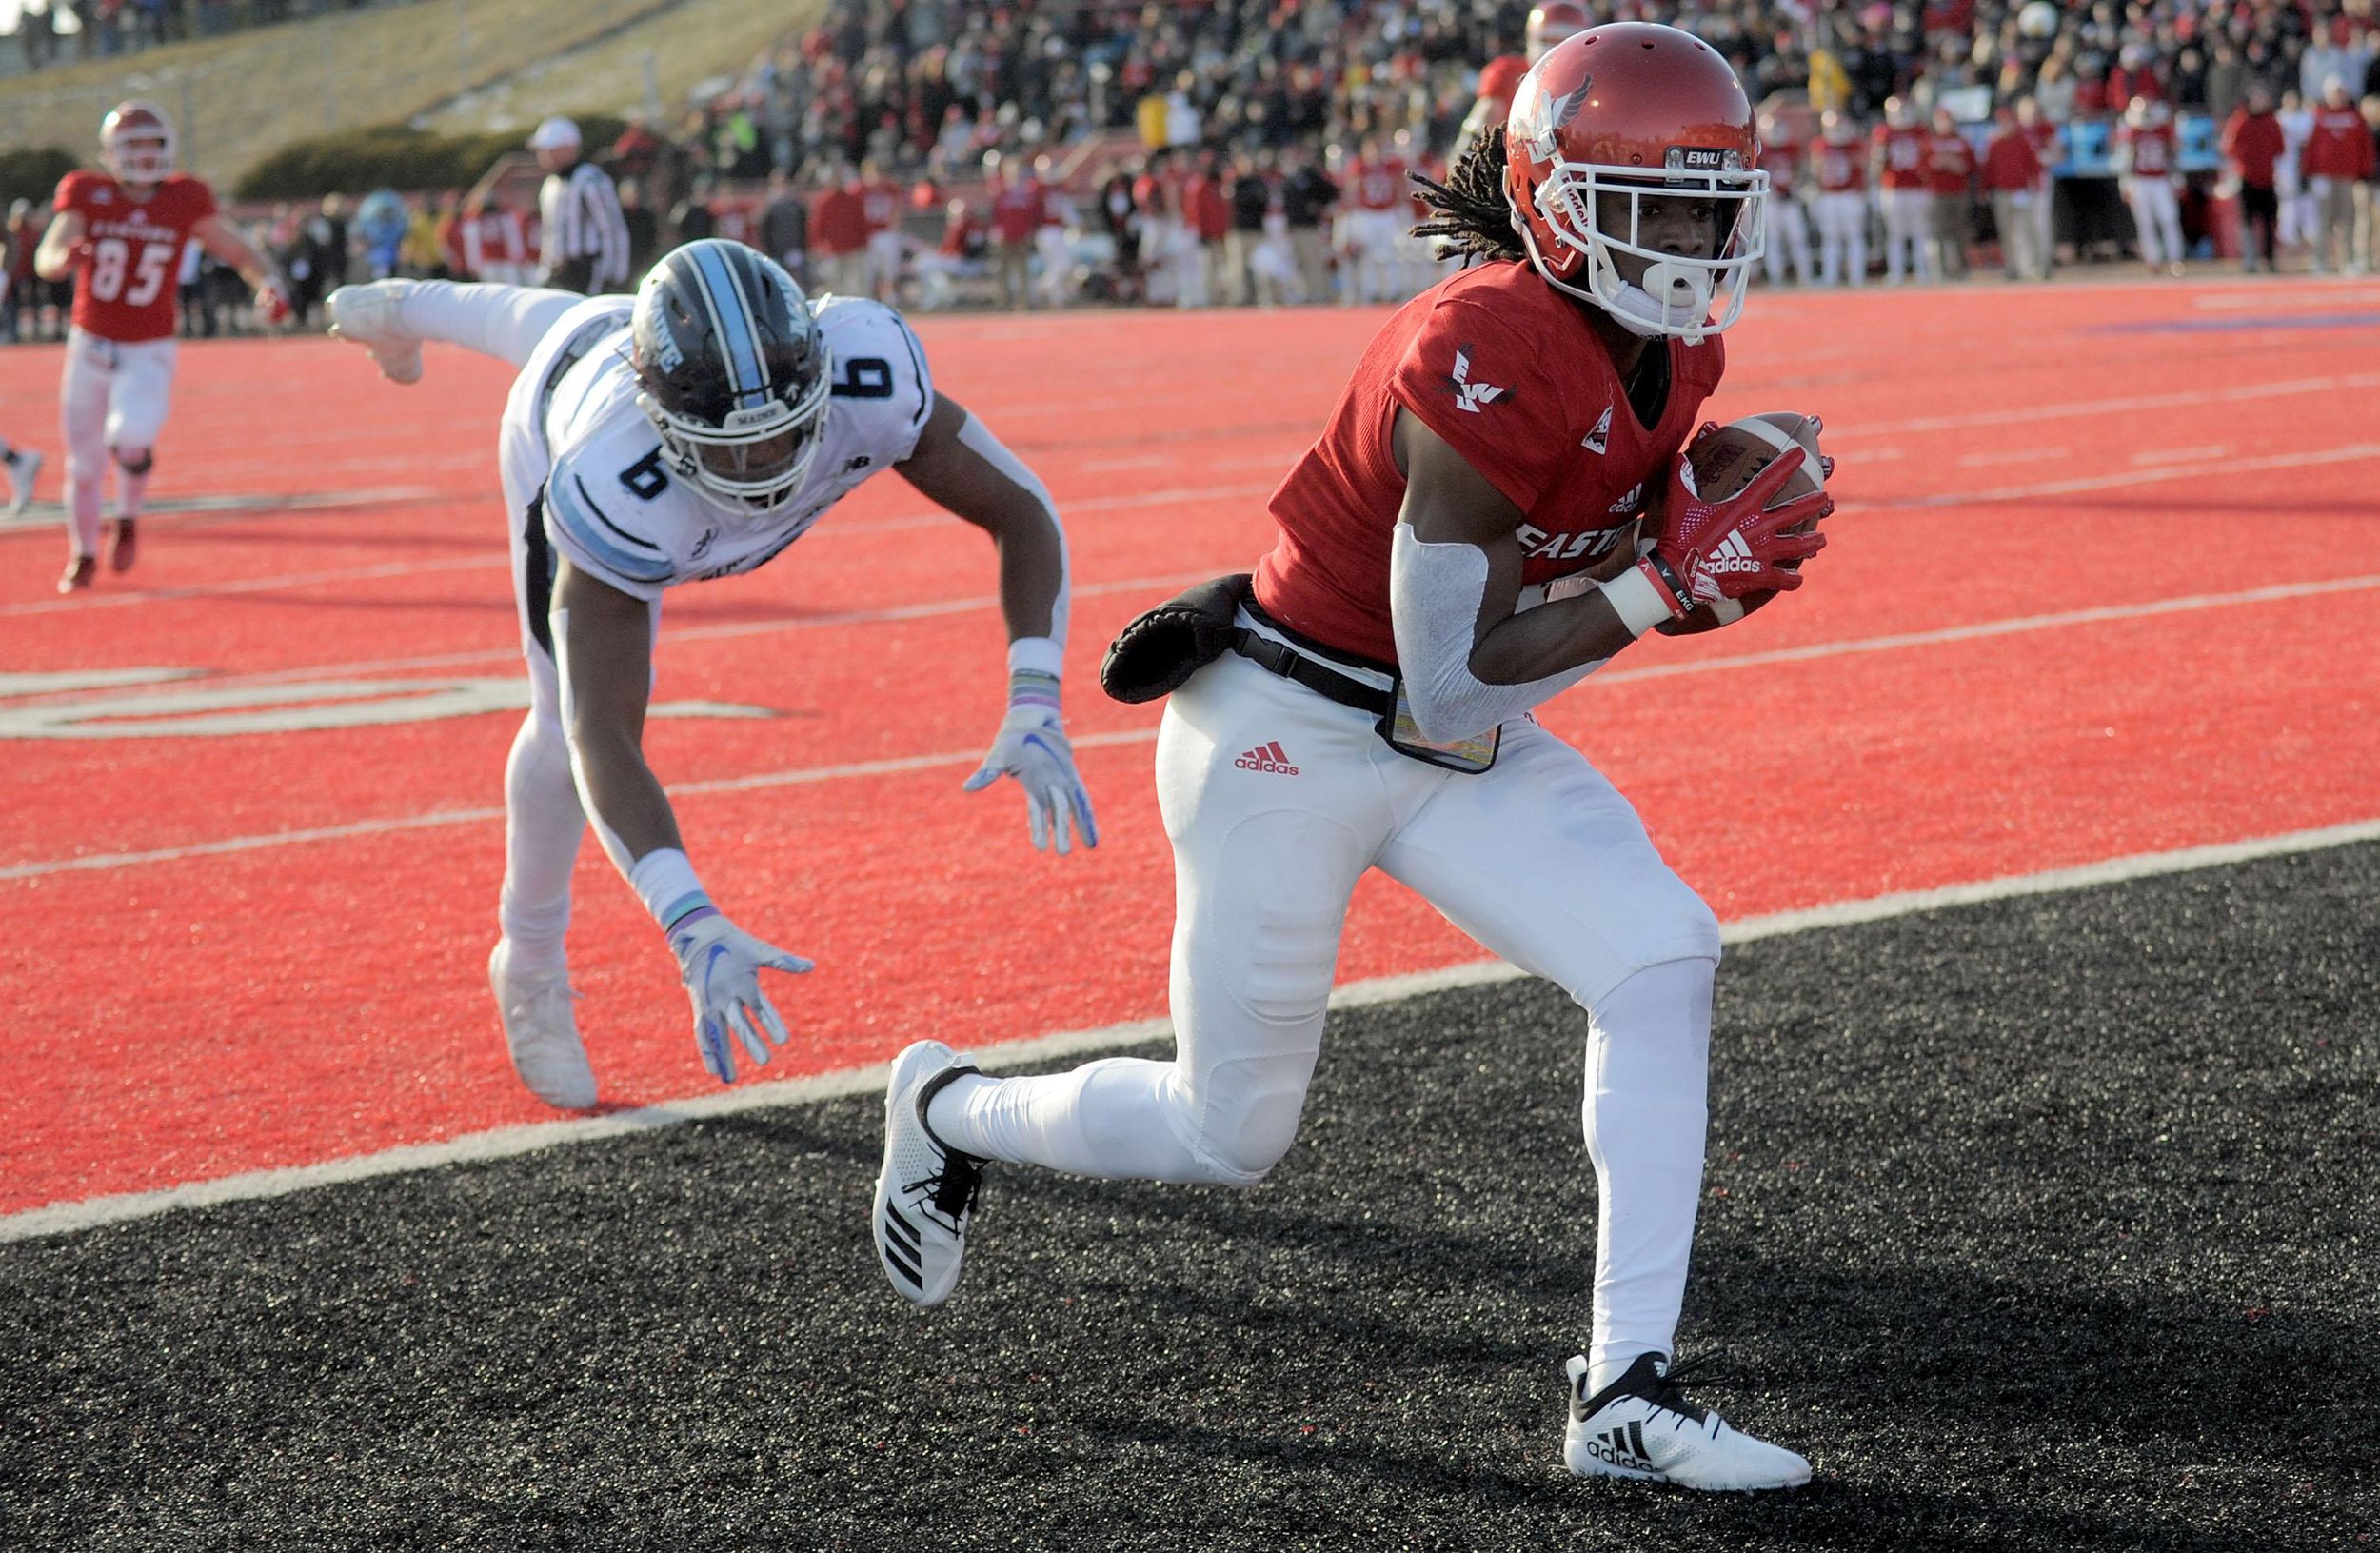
x,y
1040,152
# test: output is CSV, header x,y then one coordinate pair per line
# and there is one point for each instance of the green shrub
x,y
394,156
32,174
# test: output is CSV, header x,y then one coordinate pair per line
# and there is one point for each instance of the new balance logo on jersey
x,y
1469,396
1622,1446
1268,757
1600,438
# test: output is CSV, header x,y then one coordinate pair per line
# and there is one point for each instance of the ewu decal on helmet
x,y
1650,112
732,372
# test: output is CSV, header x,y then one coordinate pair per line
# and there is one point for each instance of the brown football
x,y
1726,461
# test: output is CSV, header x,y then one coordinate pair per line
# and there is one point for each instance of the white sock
x,y
1105,1119
501,321
543,823
1646,1116
131,487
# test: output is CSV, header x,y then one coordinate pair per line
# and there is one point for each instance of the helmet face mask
x,y
735,375
1607,125
136,141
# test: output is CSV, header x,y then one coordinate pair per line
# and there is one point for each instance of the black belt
x,y
1281,658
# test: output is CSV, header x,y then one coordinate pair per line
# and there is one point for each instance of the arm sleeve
x,y
1457,379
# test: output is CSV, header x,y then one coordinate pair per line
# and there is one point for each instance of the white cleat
x,y
1642,1427
541,1033
24,468
367,314
926,1190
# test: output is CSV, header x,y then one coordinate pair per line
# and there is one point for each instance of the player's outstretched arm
x,y
233,249
603,641
61,245
960,464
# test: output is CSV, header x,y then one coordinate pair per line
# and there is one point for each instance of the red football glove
x,y
1733,546
271,307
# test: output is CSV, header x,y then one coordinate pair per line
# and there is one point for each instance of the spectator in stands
x,y
644,228
1252,200
2338,158
36,34
1206,217
692,219
1120,220
424,245
785,226
880,208
582,235
2252,148
2012,180
1308,198
1950,178
23,292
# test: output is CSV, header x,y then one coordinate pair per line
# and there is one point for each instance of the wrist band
x,y
665,880
1638,598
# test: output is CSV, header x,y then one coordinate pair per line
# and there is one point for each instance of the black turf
x,y
2046,1224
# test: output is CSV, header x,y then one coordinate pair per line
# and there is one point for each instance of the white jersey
x,y
614,504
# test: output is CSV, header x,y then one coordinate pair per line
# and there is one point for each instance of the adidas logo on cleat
x,y
1266,757
1623,1448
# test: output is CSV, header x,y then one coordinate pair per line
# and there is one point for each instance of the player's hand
x,y
272,309
719,965
1726,548
1032,747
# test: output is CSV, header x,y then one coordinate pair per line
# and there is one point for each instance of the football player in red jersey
x,y
1549,23
1903,195
1497,508
2144,164
121,234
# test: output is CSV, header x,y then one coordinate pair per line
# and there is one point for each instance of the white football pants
x,y
2157,216
112,397
1908,226
1277,802
544,823
1788,234
1843,238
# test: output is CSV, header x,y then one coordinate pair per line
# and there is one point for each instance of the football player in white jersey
x,y
694,433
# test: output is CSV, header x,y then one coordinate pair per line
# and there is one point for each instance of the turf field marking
x,y
2007,455
2076,408
113,599
2353,453
528,1138
805,776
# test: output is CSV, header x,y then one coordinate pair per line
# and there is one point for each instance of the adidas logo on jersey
x,y
1599,438
1266,757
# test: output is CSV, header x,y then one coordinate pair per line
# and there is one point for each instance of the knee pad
x,y
134,459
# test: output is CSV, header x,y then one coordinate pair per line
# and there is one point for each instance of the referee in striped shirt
x,y
584,240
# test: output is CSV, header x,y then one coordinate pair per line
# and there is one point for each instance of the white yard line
x,y
805,776
505,1143
2079,408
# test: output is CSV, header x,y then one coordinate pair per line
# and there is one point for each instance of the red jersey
x,y
1017,209
1780,159
128,278
1950,164
1904,158
2151,148
2340,147
879,205
837,225
1511,374
2010,163
1841,167
1498,79
1378,185
2255,145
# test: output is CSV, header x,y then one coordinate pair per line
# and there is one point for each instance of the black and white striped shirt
x,y
582,220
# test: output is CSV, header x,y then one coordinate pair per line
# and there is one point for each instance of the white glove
x,y
719,964
1032,747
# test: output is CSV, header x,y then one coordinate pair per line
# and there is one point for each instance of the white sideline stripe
x,y
114,600
529,1138
2077,408
2179,455
2353,453
2010,455
804,776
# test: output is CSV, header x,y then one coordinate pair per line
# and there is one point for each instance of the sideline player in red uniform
x,y
1460,544
1549,23
121,234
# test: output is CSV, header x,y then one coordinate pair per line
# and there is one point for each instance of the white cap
x,y
553,135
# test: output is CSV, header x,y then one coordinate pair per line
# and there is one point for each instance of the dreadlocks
x,y
1474,218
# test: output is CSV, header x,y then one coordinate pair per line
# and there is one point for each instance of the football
x,y
1727,460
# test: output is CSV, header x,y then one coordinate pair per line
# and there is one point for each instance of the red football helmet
x,y
1652,113
1550,23
136,141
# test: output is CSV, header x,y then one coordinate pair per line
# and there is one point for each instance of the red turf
x,y
186,1018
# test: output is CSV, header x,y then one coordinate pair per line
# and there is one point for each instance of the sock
x,y
1106,1118
543,823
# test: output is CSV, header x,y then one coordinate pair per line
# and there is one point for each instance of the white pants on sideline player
x,y
2045,226
884,265
1788,236
1378,239
1540,860
1843,238
1908,229
111,398
2157,216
